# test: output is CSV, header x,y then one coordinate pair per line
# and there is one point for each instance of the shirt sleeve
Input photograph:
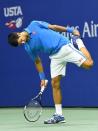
x,y
31,53
42,24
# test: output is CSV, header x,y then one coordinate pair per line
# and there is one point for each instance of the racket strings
x,y
33,110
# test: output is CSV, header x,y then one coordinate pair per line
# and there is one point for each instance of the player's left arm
x,y
64,29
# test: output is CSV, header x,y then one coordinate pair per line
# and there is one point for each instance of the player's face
x,y
22,38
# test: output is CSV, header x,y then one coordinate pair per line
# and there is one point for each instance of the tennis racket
x,y
33,110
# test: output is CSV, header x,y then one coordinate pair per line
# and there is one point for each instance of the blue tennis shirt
x,y
43,39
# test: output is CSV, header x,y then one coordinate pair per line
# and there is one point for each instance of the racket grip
x,y
43,87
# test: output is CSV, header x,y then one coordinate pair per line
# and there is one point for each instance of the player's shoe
x,y
55,119
74,40
77,42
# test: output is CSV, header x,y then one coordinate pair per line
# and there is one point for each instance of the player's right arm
x,y
39,67
38,64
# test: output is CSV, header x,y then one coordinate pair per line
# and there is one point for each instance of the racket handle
x,y
43,87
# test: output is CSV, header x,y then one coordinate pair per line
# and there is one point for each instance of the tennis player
x,y
41,36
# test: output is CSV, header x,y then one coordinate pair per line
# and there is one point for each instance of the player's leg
x,y
88,63
57,71
57,96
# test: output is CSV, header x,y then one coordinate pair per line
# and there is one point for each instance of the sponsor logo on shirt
x,y
34,33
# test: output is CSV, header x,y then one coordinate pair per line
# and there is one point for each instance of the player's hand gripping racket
x,y
33,110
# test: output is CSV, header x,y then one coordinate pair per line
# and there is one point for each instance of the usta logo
x,y
13,11
13,24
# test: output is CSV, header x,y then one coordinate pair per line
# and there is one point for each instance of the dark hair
x,y
12,39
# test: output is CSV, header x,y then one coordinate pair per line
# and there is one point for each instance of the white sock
x,y
58,108
80,43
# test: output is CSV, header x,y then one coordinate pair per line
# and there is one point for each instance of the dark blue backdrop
x,y
18,77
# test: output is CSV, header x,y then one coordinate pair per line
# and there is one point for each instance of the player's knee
x,y
88,64
55,83
92,63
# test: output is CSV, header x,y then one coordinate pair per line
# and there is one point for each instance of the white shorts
x,y
68,53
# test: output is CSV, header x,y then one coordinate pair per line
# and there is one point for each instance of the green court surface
x,y
77,119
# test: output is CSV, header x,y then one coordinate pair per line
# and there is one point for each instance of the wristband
x,y
69,29
42,75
